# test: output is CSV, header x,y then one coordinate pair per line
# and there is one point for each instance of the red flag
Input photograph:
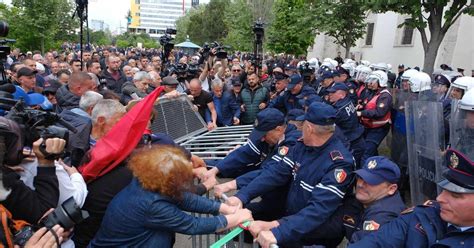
x,y
120,141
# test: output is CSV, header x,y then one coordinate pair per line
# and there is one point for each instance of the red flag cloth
x,y
120,141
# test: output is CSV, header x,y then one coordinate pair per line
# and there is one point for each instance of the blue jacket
x,y
318,177
358,224
244,159
421,226
227,107
140,218
347,120
291,137
287,101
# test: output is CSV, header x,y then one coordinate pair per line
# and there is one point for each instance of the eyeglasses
x,y
236,70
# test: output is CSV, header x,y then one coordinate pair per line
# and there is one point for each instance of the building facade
x,y
155,16
386,42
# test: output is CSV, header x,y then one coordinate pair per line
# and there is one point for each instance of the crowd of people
x,y
311,160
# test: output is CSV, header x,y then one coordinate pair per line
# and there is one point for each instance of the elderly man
x,y
137,89
80,118
105,114
447,222
317,170
202,100
227,109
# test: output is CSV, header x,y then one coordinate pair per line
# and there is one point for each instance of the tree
x,y
183,23
239,21
436,15
35,24
131,40
343,20
292,29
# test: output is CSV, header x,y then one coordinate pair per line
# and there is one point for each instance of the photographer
x,y
28,204
211,69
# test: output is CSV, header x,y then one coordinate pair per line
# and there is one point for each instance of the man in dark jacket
x,y
68,96
113,78
23,202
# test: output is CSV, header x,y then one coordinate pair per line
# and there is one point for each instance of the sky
x,y
112,12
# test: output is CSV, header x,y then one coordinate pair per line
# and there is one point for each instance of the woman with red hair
x,y
151,209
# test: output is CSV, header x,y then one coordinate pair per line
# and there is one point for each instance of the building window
x,y
407,38
137,1
370,34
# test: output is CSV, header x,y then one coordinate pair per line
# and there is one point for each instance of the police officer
x,y
327,80
347,120
376,115
462,125
447,222
269,129
289,100
318,169
343,76
281,82
377,200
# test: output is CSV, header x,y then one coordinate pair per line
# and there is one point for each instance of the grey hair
x,y
135,69
94,78
325,129
106,108
141,75
89,99
217,83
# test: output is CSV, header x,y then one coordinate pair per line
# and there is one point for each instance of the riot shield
x,y
425,139
462,130
398,143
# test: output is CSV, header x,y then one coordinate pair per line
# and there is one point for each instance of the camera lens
x,y
3,29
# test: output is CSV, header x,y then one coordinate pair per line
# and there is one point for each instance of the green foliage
x,y
239,21
183,23
100,37
292,29
38,25
131,40
343,20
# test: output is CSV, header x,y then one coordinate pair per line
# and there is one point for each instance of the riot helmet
x,y
462,125
459,87
362,72
378,76
420,82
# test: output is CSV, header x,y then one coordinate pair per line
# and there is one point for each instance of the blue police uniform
x,y
249,156
419,227
352,85
348,122
423,226
288,101
272,204
318,179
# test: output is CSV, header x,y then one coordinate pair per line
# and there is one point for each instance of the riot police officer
x,y
376,115
289,99
347,119
318,169
447,222
269,129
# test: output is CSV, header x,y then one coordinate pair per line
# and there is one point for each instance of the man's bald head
x,y
80,82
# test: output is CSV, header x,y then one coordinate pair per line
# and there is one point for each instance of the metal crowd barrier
x,y
177,118
206,240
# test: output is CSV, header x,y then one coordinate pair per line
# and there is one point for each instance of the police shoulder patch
x,y
370,225
408,210
336,155
283,150
340,175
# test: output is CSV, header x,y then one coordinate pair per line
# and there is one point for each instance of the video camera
x,y
306,72
167,42
181,71
220,53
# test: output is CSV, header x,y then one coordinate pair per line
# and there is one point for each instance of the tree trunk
x,y
431,52
348,49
